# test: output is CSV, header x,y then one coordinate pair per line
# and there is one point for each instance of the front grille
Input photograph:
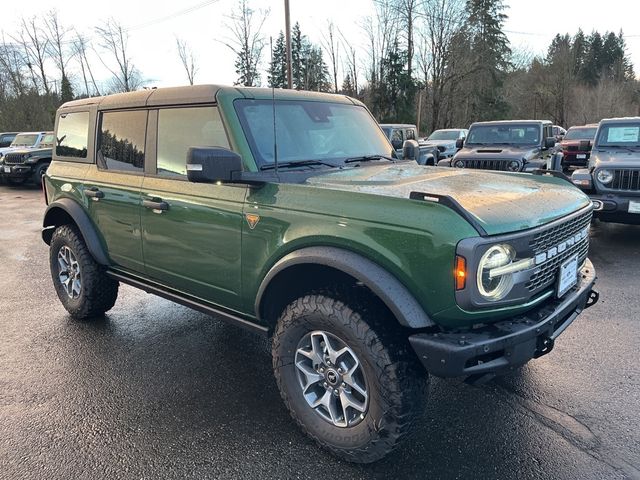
x,y
546,273
486,164
625,179
13,158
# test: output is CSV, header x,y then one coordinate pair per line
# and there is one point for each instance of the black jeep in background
x,y
20,165
512,146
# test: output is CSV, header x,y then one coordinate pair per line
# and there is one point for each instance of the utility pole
x,y
287,26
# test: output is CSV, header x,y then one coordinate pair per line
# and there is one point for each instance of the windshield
x,y
48,140
619,134
444,135
581,133
25,140
309,131
513,133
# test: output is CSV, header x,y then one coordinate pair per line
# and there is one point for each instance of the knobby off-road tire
x,y
88,291
395,382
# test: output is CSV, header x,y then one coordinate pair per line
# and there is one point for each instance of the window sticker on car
x,y
623,134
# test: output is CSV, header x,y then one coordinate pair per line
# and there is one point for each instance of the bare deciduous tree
x,y
330,44
114,40
187,59
247,42
35,46
80,48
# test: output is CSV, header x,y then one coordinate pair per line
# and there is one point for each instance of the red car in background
x,y
573,146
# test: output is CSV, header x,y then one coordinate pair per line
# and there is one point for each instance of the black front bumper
x,y
17,171
499,347
614,207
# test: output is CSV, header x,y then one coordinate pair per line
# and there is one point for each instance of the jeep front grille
x,y
486,164
13,158
546,273
625,179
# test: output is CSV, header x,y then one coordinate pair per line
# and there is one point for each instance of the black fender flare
x,y
80,217
383,284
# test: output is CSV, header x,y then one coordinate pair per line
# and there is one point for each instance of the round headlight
x,y
514,166
605,176
459,164
498,286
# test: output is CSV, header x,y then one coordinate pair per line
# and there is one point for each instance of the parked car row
x,y
610,174
25,156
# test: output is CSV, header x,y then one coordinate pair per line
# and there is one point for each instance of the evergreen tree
x,y
578,52
277,76
296,57
490,53
66,90
347,86
593,60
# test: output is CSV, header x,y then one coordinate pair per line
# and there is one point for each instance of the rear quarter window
x,y
72,135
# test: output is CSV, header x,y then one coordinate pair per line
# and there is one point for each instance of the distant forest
x,y
438,63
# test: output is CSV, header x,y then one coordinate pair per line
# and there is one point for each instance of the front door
x,y
191,232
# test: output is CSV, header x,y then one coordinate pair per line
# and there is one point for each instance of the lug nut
x,y
336,392
344,385
325,384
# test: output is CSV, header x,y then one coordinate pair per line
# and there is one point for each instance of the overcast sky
x,y
153,27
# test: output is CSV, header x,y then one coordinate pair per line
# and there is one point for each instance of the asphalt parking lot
x,y
155,390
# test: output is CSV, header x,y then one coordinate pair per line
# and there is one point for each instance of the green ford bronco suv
x,y
288,213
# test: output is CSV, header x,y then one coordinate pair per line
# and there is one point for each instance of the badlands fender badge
x,y
252,219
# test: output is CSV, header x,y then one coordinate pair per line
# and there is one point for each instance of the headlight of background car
x,y
495,287
604,176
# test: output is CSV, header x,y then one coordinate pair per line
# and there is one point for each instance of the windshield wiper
x,y
301,163
369,158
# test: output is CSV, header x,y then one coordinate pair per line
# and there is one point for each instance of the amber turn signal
x,y
461,272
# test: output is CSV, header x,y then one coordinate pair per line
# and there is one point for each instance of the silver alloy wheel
x,y
332,379
69,272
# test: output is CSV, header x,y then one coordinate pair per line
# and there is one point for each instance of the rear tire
x,y
389,373
81,283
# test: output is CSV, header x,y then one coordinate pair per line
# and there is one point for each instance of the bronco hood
x,y
500,202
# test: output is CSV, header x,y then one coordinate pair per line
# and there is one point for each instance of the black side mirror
x,y
212,164
584,146
460,143
550,142
411,150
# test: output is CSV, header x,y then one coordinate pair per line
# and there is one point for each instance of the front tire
x,y
349,379
80,282
40,171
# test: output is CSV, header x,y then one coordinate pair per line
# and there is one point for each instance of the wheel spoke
x,y
349,401
331,378
311,376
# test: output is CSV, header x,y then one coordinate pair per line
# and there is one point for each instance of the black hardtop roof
x,y
509,122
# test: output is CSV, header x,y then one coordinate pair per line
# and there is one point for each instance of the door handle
x,y
156,204
94,193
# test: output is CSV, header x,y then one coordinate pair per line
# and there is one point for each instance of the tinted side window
x,y
121,143
410,134
72,135
181,128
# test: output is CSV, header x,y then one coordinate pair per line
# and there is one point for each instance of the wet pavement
x,y
155,390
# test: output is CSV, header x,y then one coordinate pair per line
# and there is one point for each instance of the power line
x,y
172,15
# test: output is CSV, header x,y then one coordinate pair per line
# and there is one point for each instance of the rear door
x,y
112,187
191,232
